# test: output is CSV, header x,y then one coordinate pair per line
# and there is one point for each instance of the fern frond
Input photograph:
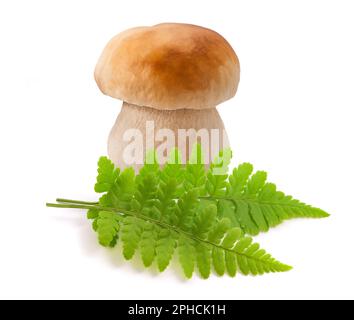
x,y
257,205
205,235
201,243
202,215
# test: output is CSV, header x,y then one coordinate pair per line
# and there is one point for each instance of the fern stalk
x,y
60,200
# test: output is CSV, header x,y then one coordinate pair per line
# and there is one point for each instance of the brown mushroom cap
x,y
168,67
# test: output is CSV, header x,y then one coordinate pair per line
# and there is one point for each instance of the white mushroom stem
x,y
141,129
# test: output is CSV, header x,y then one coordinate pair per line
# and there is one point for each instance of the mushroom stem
x,y
138,130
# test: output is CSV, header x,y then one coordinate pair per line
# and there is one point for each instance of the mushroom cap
x,y
169,66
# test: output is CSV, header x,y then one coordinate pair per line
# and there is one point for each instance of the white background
x,y
293,117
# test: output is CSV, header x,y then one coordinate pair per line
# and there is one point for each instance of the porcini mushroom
x,y
170,77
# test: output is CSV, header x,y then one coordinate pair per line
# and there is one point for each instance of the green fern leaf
x,y
255,205
131,230
226,209
174,171
107,175
186,209
187,255
107,228
255,183
195,174
204,259
165,247
218,257
92,214
165,204
145,193
238,179
151,165
204,221
106,178
218,173
148,244
219,230
231,237
231,264
122,190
